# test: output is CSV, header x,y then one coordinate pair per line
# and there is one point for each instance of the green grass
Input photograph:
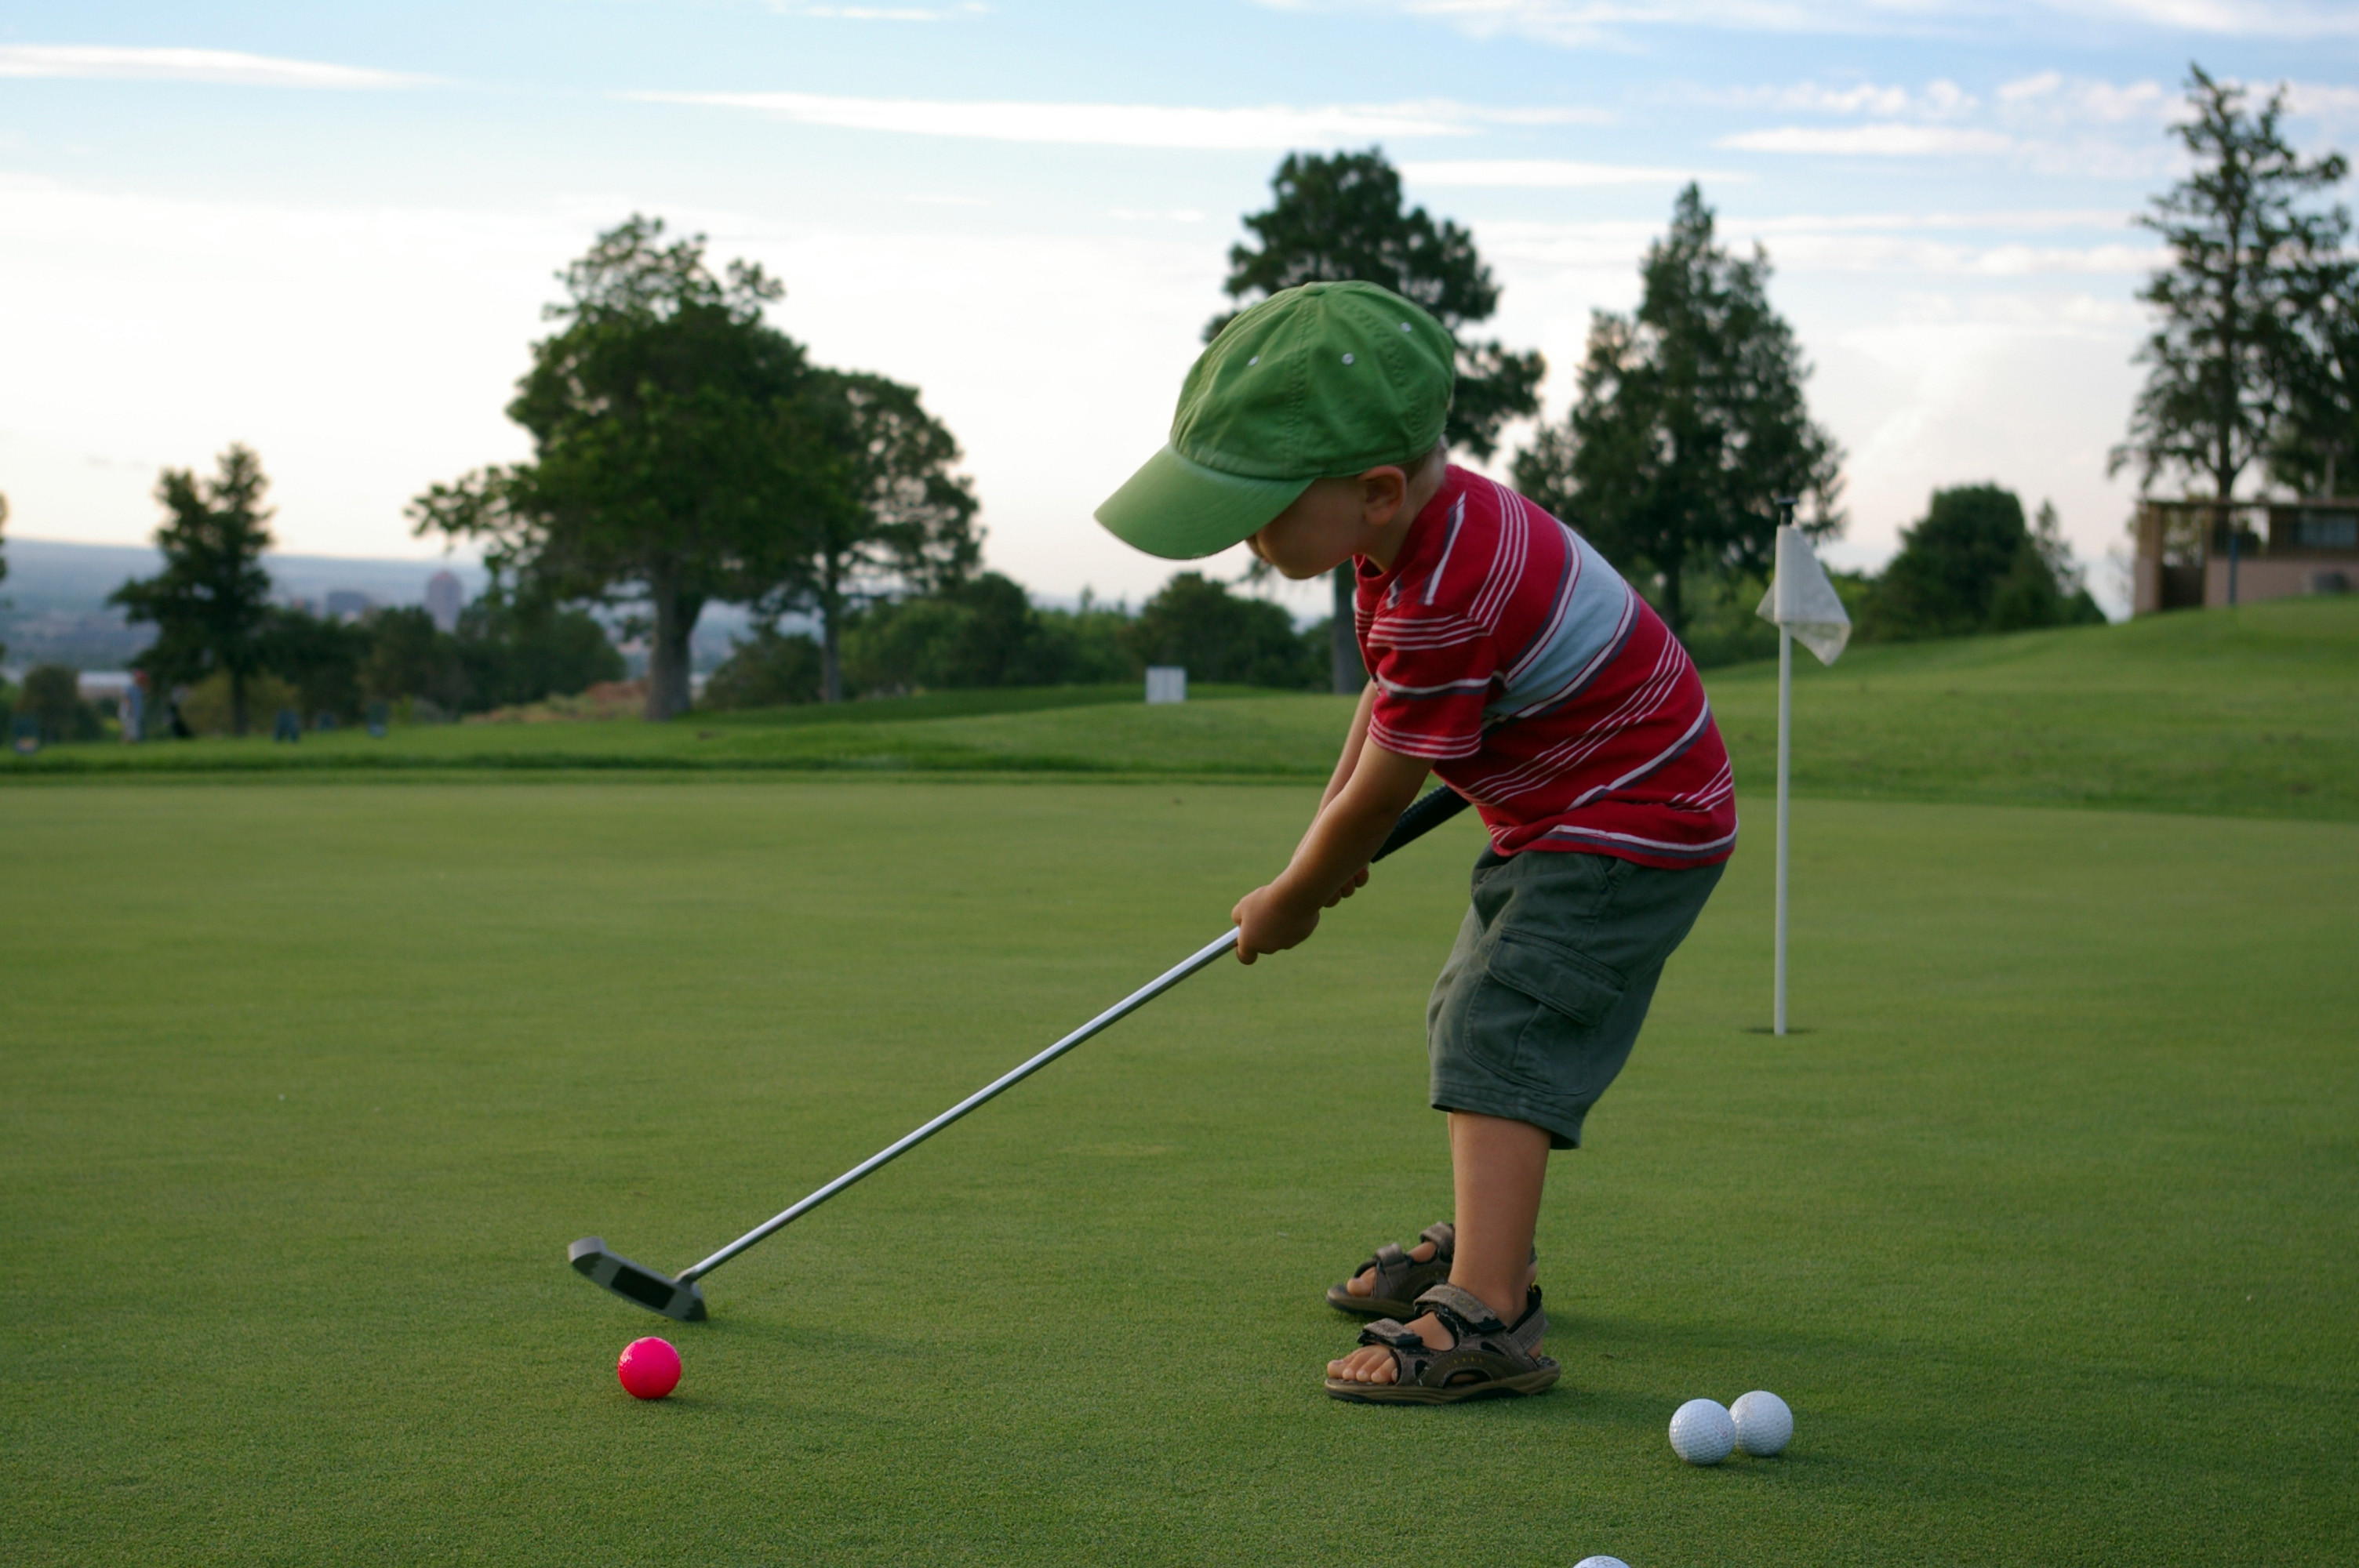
x,y
2044,1223
2249,713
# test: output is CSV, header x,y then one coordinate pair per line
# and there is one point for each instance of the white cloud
x,y
2050,96
1886,139
1548,173
2235,18
1139,125
1857,244
106,64
1575,22
1935,100
1086,125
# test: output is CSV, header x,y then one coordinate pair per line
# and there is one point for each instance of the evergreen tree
x,y
2226,358
2317,446
1689,422
1341,219
211,604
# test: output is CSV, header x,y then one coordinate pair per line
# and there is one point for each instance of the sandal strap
x,y
1391,1334
1389,1256
1444,1237
1463,1313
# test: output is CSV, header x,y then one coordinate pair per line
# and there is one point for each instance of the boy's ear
x,y
1383,489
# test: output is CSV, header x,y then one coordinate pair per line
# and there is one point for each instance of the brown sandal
x,y
1486,1359
1400,1279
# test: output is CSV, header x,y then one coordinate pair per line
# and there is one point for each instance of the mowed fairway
x,y
2044,1224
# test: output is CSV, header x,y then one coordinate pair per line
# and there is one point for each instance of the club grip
x,y
1436,807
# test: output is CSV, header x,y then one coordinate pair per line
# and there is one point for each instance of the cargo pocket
x,y
1550,1001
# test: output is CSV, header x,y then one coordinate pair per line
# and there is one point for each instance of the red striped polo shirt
x,y
1510,656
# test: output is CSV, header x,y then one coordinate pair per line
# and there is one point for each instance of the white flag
x,y
1802,600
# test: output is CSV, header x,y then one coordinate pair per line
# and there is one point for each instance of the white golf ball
x,y
1600,1562
1763,1423
1702,1433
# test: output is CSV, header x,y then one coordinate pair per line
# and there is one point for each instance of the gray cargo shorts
x,y
1550,978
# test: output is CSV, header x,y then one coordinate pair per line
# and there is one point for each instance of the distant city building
x,y
442,601
348,604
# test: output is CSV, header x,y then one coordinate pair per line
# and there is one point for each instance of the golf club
x,y
681,1298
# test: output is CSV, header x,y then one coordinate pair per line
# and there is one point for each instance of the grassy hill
x,y
2254,712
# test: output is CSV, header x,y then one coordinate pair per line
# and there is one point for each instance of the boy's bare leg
x,y
1499,1167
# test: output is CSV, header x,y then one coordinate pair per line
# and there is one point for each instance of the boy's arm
x,y
1372,788
1349,756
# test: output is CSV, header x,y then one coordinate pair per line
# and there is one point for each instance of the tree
x,y
775,669
892,513
4,558
1217,636
2318,443
674,457
211,604
519,648
52,695
409,656
1340,219
2225,356
1689,422
321,657
1971,564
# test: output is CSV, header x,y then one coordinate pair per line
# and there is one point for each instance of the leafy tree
x,y
2224,360
3,560
321,657
519,648
52,693
776,669
1689,423
1971,564
1340,219
409,656
984,632
896,514
211,604
1217,636
675,456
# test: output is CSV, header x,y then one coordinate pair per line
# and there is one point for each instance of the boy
x,y
1511,660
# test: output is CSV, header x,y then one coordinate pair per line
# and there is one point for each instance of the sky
x,y
328,231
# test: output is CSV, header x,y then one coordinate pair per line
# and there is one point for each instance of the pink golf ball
x,y
649,1368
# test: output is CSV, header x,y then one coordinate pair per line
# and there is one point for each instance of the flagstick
x,y
1785,754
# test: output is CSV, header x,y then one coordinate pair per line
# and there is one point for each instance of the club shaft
x,y
1226,943
1438,807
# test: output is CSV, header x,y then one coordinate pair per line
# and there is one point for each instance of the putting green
x,y
2044,1224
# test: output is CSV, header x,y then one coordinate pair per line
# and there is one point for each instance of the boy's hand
x,y
1270,922
1331,862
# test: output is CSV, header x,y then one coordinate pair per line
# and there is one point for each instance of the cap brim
x,y
1181,509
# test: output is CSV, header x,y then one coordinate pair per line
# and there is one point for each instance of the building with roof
x,y
2194,554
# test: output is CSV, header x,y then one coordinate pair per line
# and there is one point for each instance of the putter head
x,y
636,1282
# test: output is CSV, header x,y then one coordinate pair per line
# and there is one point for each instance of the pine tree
x,y
1689,422
1342,219
211,604
2226,360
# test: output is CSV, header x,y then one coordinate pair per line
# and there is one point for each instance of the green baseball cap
x,y
1324,379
